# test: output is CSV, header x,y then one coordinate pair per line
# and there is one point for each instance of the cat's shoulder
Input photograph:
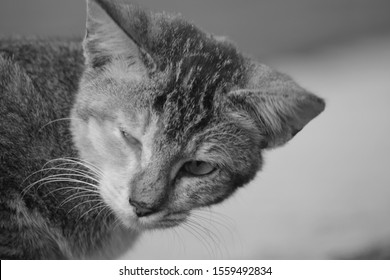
x,y
37,59
38,78
40,48
51,65
15,81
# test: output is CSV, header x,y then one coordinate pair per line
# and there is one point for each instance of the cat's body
x,y
38,82
162,118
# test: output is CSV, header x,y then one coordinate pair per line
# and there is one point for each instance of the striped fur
x,y
152,93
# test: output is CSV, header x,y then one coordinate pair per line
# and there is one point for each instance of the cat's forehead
x,y
186,50
200,70
184,79
171,37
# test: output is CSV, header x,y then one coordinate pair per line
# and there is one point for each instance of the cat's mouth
x,y
162,219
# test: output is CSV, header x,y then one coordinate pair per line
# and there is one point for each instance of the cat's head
x,y
175,118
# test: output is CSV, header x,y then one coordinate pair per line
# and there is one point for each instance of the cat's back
x,y
38,80
50,66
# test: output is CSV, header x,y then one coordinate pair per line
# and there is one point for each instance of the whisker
x,y
198,235
98,206
85,163
73,188
65,166
108,209
216,250
211,212
53,121
116,223
205,241
56,178
77,196
82,178
91,171
78,173
224,222
180,240
108,213
77,161
188,228
81,203
211,221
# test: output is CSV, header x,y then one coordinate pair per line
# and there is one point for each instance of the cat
x,y
145,120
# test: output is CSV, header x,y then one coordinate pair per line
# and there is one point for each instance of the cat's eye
x,y
130,139
198,168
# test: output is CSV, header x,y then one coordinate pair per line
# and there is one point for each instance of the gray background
x,y
259,26
327,193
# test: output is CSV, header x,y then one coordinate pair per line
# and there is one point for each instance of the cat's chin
x,y
156,221
172,220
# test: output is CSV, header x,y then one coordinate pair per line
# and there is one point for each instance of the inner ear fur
x,y
117,30
279,107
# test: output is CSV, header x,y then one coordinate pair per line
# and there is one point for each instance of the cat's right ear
x,y
117,31
277,106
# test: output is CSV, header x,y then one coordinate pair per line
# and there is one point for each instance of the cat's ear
x,y
117,30
277,106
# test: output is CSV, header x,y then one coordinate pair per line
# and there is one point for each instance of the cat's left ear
x,y
276,105
117,30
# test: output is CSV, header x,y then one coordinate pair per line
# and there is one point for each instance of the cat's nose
x,y
141,209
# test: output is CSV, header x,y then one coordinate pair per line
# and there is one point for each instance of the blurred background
x,y
324,195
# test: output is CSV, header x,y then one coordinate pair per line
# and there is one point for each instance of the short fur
x,y
151,94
